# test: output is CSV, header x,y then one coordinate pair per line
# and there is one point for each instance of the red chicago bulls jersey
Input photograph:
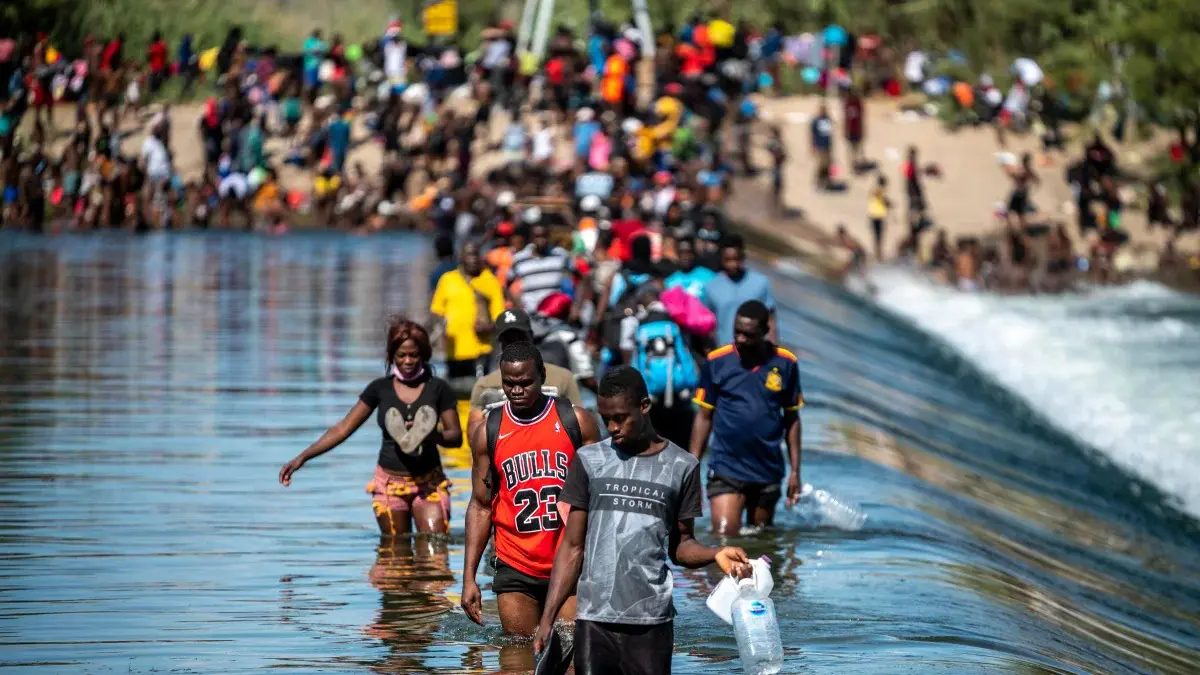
x,y
529,467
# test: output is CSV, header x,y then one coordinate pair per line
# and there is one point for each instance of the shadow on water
x,y
150,387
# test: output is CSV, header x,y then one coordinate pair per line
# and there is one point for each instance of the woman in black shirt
x,y
409,484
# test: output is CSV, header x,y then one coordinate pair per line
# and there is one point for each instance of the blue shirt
x,y
314,51
693,283
620,284
339,135
822,133
583,133
724,295
749,407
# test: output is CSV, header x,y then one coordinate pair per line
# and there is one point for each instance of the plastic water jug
x,y
819,507
720,601
757,631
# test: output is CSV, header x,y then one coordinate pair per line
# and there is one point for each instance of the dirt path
x,y
962,200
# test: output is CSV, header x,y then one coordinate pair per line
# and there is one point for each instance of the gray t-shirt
x,y
633,503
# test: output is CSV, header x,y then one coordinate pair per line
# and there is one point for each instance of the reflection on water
x,y
150,388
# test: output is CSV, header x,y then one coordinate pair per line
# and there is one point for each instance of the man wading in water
x,y
520,457
634,499
749,398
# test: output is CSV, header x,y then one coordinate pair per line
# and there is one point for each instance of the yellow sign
x,y
441,18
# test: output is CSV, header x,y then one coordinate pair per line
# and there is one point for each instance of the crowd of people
x,y
594,254
581,536
365,135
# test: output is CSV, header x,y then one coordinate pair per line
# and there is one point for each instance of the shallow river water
x,y
151,387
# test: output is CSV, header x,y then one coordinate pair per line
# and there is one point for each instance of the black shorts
x,y
508,579
757,494
623,649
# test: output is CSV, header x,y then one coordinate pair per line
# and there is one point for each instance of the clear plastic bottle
x,y
756,630
819,507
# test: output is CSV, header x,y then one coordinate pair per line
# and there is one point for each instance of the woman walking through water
x,y
409,484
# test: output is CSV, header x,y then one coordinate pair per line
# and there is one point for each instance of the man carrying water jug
x,y
749,398
634,498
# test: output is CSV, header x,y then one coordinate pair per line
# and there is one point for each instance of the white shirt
x,y
543,144
154,154
914,66
495,54
394,53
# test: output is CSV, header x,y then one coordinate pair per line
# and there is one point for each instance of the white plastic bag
x,y
720,601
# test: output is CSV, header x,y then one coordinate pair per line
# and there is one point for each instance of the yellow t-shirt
x,y
877,204
721,33
455,300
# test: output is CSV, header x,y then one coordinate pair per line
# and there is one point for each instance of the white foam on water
x,y
1116,367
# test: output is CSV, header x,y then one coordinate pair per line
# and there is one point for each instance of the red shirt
x,y
110,55
156,56
627,228
854,117
530,462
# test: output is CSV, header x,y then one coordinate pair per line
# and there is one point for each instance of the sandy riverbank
x,y
962,200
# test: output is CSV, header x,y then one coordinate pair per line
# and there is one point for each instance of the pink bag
x,y
688,311
600,152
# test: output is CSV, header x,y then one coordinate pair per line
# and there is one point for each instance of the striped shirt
x,y
539,276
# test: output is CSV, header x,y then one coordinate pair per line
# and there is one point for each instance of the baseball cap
x,y
513,318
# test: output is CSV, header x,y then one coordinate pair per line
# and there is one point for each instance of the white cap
x,y
589,203
505,198
631,125
532,215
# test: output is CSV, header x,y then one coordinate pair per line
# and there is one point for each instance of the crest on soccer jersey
x,y
774,380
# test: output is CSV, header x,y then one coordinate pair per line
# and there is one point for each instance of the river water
x,y
151,387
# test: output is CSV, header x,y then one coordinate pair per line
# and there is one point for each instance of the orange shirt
x,y
500,260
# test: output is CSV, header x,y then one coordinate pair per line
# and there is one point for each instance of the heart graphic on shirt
x,y
408,436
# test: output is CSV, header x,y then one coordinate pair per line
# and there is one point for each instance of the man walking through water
x,y
520,458
634,498
749,398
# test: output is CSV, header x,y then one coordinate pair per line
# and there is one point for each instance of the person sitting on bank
x,y
749,398
634,498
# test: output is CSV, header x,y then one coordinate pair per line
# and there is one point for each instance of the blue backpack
x,y
664,361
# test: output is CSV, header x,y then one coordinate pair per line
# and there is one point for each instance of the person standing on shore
x,y
878,209
520,458
914,187
409,485
1023,178
749,398
854,117
822,145
633,500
